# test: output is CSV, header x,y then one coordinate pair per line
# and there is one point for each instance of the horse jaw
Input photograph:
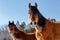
x,y
39,28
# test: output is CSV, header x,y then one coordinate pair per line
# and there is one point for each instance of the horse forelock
x,y
34,9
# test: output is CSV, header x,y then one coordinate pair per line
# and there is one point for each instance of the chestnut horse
x,y
45,29
18,34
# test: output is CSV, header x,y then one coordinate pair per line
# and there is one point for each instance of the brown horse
x,y
18,34
45,29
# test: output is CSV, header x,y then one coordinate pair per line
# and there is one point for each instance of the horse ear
x,y
36,5
13,22
29,5
9,22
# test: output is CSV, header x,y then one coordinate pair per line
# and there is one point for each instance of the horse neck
x,y
48,23
19,34
19,31
16,29
39,34
47,28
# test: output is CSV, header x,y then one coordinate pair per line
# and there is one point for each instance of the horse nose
x,y
35,23
31,23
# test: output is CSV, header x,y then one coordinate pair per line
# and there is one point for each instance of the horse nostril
x,y
31,23
34,22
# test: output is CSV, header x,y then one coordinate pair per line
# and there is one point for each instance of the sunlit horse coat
x,y
52,29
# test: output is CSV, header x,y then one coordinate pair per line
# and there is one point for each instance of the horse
x,y
45,29
18,34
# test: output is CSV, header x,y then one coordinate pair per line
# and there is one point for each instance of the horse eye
x,y
34,22
31,23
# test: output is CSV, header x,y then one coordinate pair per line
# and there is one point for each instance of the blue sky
x,y
18,10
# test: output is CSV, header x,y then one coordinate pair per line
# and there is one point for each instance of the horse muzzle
x,y
33,24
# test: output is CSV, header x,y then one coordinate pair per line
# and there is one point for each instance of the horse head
x,y
35,16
